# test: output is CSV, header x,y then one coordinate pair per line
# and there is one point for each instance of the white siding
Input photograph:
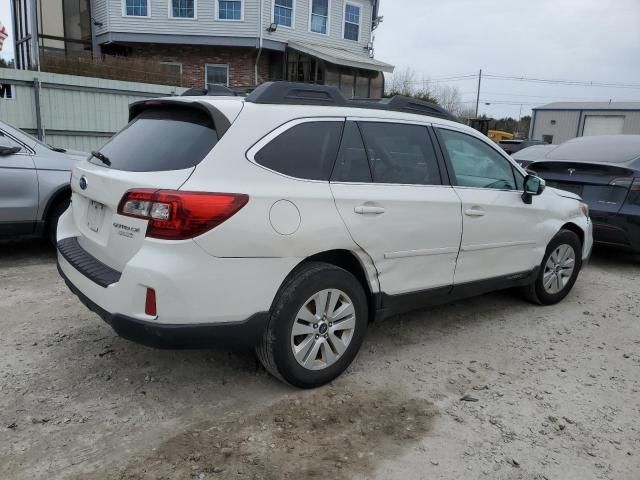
x,y
335,38
565,128
109,12
99,11
205,24
85,111
570,123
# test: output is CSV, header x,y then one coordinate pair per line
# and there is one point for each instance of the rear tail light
x,y
625,182
177,215
635,186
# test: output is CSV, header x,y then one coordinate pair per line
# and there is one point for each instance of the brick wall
x,y
193,58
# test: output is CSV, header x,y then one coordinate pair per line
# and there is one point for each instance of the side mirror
x,y
532,186
6,151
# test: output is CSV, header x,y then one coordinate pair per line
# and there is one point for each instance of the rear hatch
x,y
158,149
603,187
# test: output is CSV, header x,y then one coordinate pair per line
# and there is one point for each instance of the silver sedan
x,y
34,184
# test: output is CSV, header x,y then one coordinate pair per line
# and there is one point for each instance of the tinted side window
x,y
476,164
307,150
160,139
352,164
400,153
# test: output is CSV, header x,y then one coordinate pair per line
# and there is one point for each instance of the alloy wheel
x,y
323,329
559,269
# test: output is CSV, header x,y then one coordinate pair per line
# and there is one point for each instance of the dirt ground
x,y
491,387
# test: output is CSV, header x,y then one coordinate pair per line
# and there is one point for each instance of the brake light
x,y
635,186
177,215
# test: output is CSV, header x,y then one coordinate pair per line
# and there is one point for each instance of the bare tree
x,y
449,97
402,82
405,81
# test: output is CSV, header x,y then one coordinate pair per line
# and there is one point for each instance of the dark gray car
x,y
34,184
605,171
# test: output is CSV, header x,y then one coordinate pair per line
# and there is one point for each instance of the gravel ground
x,y
491,387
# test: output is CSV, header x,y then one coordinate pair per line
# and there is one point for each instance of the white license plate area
x,y
95,216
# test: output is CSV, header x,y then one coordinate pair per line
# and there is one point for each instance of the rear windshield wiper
x,y
102,157
57,149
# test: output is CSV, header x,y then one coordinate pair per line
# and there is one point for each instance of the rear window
x,y
160,139
307,150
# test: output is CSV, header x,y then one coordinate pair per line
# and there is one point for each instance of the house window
x,y
283,12
230,9
216,75
352,21
137,8
183,8
320,16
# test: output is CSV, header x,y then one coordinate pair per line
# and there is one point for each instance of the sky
x,y
585,40
582,40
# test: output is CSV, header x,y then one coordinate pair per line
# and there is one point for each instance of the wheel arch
x,y
56,197
358,267
572,227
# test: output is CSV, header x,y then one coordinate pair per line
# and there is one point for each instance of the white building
x,y
561,121
238,43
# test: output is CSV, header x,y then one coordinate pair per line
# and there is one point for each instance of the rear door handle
x,y
368,209
474,212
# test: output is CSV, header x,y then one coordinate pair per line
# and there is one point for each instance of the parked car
x,y
290,219
34,184
513,146
605,172
527,156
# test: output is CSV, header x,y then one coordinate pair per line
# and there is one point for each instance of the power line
x,y
576,83
522,78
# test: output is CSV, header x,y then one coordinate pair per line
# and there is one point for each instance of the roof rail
x,y
213,90
290,93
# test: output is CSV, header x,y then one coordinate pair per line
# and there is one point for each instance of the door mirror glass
x,y
6,151
534,185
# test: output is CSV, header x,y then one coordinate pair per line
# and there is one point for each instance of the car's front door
x,y
390,194
18,189
502,235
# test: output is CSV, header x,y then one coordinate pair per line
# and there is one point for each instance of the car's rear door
x,y
18,189
502,235
390,193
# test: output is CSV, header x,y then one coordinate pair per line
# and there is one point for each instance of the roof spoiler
x,y
220,121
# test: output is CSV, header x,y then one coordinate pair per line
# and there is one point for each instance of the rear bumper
x,y
245,334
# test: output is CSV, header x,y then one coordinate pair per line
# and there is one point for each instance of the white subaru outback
x,y
290,219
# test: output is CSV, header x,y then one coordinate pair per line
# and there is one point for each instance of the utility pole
x,y
478,96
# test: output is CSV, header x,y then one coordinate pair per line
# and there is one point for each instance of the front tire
x,y
559,270
316,327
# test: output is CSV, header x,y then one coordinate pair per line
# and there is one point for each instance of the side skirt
x,y
391,305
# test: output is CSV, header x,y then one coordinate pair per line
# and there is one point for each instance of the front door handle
x,y
474,212
368,209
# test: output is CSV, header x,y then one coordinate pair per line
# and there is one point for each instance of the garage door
x,y
603,125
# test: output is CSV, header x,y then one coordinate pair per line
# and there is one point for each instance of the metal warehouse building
x,y
561,121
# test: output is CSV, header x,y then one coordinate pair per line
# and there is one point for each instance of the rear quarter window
x,y
306,151
161,139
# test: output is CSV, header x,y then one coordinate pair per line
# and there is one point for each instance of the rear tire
x,y
306,343
52,221
559,270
